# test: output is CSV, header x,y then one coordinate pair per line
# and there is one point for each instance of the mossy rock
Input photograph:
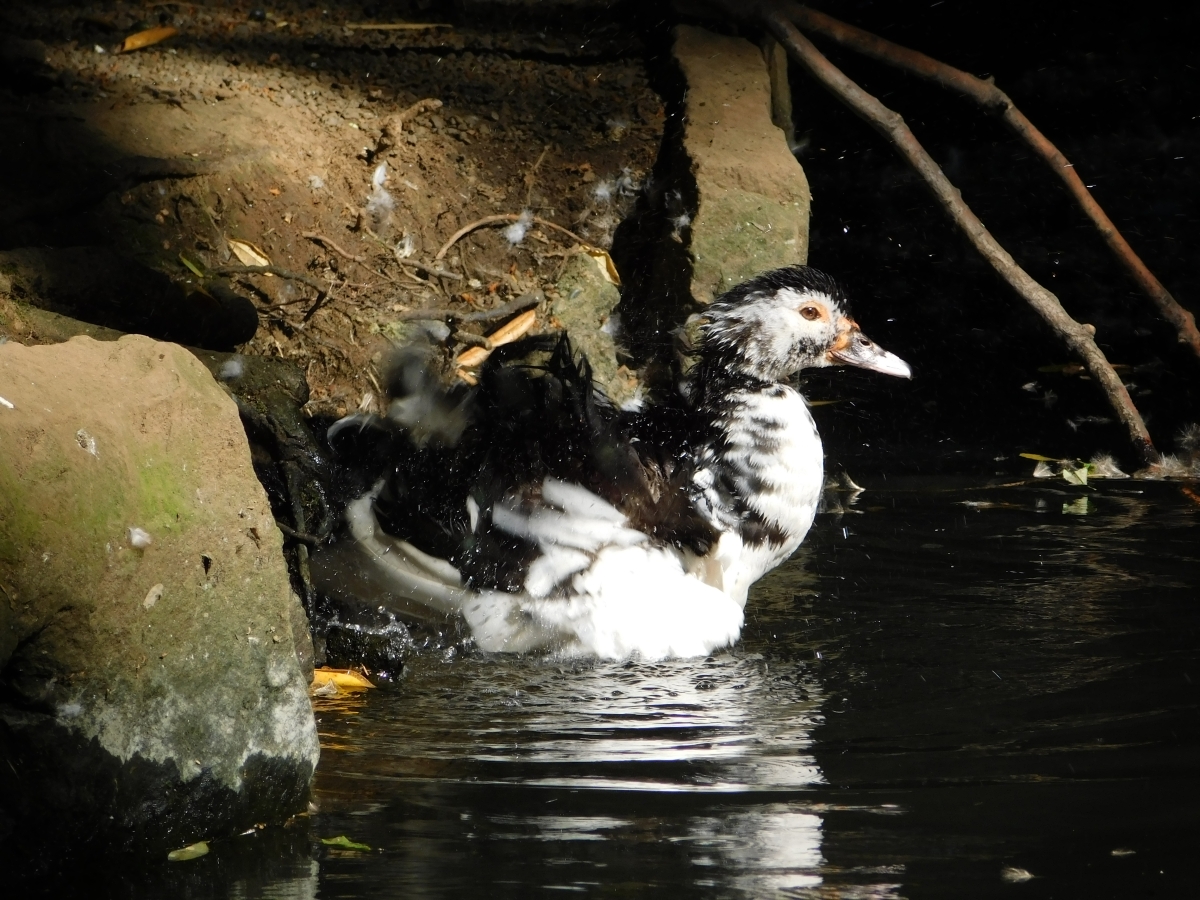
x,y
172,665
584,308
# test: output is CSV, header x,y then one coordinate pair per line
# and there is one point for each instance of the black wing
x,y
523,423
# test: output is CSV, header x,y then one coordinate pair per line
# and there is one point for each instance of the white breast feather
x,y
783,485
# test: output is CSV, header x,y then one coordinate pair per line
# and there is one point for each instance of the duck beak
x,y
853,348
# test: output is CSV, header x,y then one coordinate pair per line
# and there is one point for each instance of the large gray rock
x,y
754,200
154,693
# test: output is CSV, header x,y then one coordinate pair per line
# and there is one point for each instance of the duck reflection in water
x,y
564,773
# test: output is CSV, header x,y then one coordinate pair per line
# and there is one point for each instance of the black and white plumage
x,y
547,519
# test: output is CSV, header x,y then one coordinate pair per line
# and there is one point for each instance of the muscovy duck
x,y
550,520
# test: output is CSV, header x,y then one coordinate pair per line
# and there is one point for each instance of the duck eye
x,y
811,313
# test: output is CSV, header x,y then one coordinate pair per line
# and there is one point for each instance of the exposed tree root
x,y
505,217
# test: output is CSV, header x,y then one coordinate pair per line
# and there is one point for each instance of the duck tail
x,y
376,567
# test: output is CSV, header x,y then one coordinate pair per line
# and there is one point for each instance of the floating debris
x,y
339,678
1104,466
1013,875
139,539
1075,471
191,851
344,843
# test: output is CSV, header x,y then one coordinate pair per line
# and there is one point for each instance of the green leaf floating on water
x,y
1075,475
191,851
1073,471
344,842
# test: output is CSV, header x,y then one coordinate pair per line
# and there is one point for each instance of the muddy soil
x,y
343,154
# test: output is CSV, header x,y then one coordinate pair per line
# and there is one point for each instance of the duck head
x,y
780,322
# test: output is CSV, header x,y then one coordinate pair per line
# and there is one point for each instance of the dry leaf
x,y
248,254
147,38
605,264
342,678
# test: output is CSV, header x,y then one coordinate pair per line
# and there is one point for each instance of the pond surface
x,y
950,688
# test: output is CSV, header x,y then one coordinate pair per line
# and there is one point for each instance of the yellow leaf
x,y
605,264
248,254
191,851
1037,457
343,678
148,37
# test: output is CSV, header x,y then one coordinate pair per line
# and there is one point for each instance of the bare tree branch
x,y
892,126
991,98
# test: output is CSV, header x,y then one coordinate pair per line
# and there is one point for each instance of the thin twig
x,y
524,302
472,340
283,303
424,267
303,537
391,26
892,126
271,270
429,104
986,94
506,217
312,310
321,239
531,176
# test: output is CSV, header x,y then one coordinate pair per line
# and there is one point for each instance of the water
x,y
949,686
